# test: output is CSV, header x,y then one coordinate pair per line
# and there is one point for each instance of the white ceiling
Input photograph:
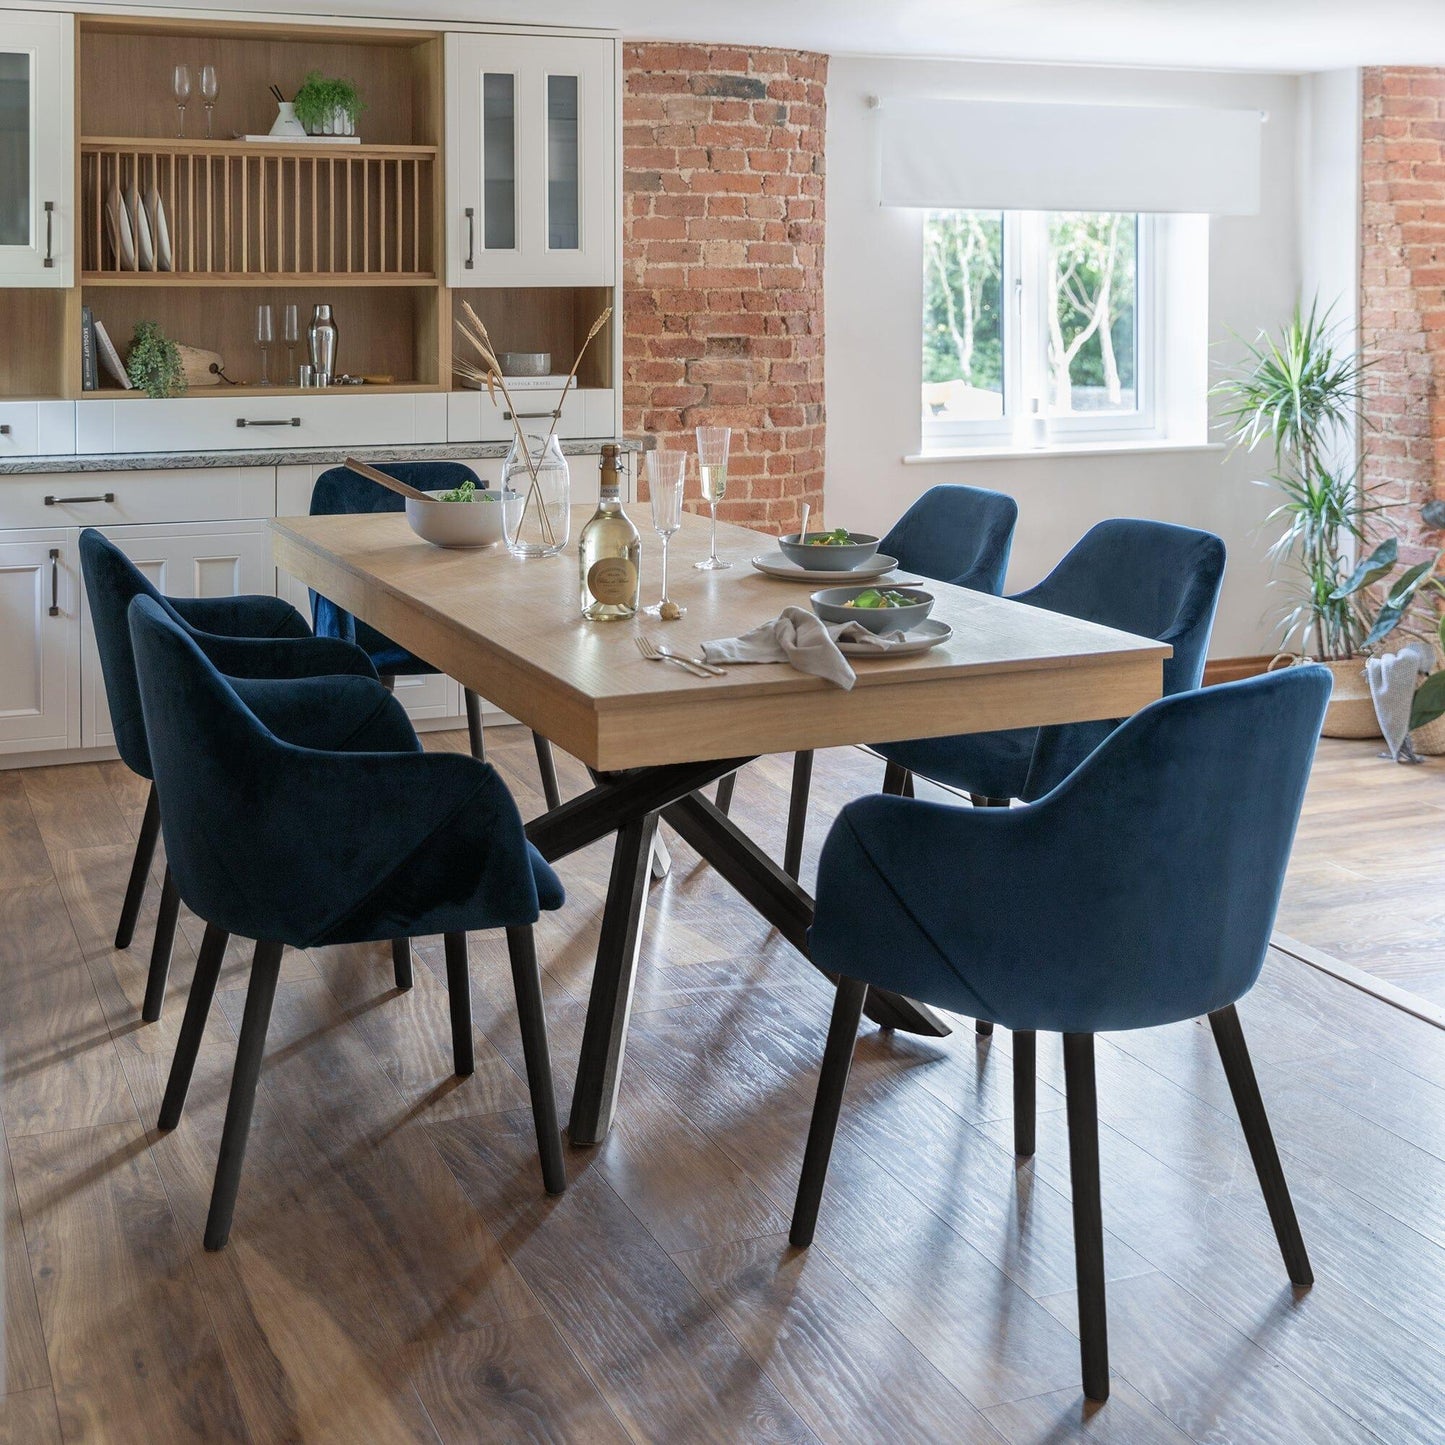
x,y
1230,34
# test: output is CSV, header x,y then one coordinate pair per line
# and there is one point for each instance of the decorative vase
x,y
537,497
286,123
338,121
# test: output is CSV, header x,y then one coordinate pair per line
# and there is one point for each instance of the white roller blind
x,y
1004,155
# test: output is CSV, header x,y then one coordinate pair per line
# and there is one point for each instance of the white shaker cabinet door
x,y
193,559
39,641
531,160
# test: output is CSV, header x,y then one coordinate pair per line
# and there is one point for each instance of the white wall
x,y
874,301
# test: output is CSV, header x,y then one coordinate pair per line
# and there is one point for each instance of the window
x,y
1037,322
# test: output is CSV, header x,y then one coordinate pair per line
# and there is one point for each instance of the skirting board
x,y
1232,669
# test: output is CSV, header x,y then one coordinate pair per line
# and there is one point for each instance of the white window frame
x,y
1025,350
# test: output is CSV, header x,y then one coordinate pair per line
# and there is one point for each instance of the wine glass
x,y
712,466
182,84
265,335
290,334
665,474
210,89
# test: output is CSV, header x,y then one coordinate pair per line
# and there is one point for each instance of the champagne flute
x,y
210,89
665,474
265,335
181,81
290,334
712,466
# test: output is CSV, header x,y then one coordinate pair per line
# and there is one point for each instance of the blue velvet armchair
x,y
956,534
342,491
279,830
1140,891
254,637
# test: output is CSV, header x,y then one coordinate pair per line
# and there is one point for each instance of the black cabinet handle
x,y
242,421
72,501
55,581
50,233
4,429
529,415
471,216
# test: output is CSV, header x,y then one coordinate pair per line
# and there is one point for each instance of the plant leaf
x,y
1378,564
1429,702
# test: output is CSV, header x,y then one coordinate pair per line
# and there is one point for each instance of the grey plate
x,y
929,633
776,565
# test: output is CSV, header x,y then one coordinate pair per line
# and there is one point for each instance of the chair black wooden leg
x,y
837,1059
401,962
723,800
265,970
527,982
982,1028
193,1025
1025,1105
145,852
1083,1109
160,967
547,766
897,780
1234,1055
459,997
798,813
475,740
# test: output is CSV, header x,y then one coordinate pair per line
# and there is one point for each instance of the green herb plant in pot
x,y
154,362
328,106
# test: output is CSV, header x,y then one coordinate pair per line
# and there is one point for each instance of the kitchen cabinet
x,y
39,640
37,149
531,189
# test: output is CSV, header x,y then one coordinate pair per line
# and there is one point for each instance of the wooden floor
x,y
396,1273
1365,880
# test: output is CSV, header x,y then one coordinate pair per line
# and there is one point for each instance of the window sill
x,y
1060,449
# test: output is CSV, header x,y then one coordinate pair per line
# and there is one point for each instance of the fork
x,y
701,662
653,653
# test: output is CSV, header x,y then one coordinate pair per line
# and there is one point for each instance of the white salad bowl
x,y
477,523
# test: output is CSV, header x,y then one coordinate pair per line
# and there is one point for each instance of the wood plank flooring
x,y
397,1274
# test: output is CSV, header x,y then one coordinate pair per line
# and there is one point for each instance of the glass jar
x,y
537,497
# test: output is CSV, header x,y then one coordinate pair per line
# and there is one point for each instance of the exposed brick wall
x,y
1402,293
723,264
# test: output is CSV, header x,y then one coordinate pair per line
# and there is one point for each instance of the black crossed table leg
x,y
629,804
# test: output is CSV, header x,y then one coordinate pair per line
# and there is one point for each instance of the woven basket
x,y
1351,713
1429,741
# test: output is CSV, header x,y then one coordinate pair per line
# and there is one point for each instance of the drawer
x,y
107,499
473,417
36,428
255,423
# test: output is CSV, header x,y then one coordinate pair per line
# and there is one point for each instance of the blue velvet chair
x,y
276,832
1140,891
956,534
342,491
253,637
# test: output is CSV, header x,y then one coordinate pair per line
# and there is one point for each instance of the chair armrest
x,y
284,657
249,616
332,714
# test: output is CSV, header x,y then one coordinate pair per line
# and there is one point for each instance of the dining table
x,y
652,735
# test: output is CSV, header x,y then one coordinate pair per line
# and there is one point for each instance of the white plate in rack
x,y
929,633
776,565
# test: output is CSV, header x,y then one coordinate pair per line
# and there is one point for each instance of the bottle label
x,y
612,581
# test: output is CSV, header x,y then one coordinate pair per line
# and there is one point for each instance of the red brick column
x,y
1402,294
723,264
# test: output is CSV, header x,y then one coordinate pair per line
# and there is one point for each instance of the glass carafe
x,y
537,497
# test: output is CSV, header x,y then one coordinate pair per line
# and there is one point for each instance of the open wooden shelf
x,y
184,280
119,393
180,146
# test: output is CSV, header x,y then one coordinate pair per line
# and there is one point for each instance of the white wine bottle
x,y
609,552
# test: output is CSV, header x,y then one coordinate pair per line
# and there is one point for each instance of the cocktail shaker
x,y
321,338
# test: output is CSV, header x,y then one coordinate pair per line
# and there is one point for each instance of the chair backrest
x,y
340,491
956,534
1153,579
112,580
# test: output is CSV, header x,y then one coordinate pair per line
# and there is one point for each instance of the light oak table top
x,y
511,631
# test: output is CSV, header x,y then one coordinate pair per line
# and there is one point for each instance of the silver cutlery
x,y
702,662
655,653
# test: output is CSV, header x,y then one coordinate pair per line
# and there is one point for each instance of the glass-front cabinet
x,y
530,166
37,151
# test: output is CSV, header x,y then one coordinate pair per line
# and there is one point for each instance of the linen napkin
x,y
801,639
1392,687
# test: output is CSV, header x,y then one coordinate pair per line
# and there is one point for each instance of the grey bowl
x,y
829,605
812,558
525,363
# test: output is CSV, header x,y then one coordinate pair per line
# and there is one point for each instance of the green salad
x,y
838,537
467,492
873,599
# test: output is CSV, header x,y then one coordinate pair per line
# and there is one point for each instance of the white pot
x,y
286,122
339,122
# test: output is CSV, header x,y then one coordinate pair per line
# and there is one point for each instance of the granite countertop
x,y
280,457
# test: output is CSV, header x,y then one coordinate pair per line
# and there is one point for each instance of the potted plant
x,y
1299,393
154,362
327,106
